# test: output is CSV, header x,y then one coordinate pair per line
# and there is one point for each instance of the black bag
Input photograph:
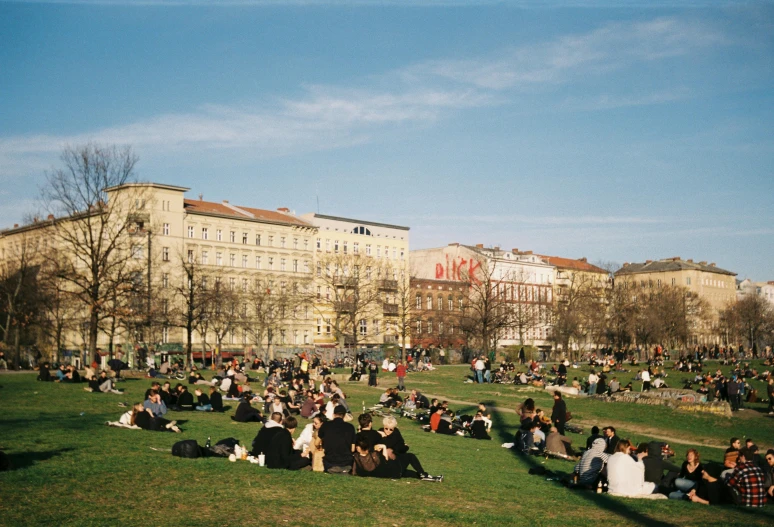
x,y
188,449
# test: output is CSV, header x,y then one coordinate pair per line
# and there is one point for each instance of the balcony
x,y
388,285
344,307
390,310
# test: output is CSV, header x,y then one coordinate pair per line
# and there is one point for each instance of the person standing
x,y
522,357
645,375
479,367
373,371
559,413
400,372
593,380
442,356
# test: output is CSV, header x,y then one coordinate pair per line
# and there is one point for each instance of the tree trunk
x,y
93,332
17,346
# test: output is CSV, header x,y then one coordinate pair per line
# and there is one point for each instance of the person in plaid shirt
x,y
749,480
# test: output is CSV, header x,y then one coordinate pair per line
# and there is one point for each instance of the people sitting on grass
x,y
144,418
690,475
625,475
267,432
44,374
559,445
245,413
655,465
154,403
280,452
309,433
745,485
380,462
185,400
216,399
592,463
102,384
203,401
338,439
612,440
478,428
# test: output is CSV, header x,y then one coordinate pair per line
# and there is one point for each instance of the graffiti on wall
x,y
457,268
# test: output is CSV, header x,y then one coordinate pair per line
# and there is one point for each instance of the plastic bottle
x,y
599,487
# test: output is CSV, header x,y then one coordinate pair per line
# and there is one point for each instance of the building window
x,y
271,263
319,291
271,241
244,290
205,233
306,336
674,281
327,245
336,246
166,229
232,259
231,284
257,262
219,235
356,247
306,244
306,267
368,249
401,254
165,280
429,326
419,301
345,247
190,256
327,326
190,232
257,239
282,264
232,236
688,280
319,244
419,327
295,243
376,326
205,259
165,335
440,303
295,266
394,253
282,242
218,258
319,326
451,303
429,302
440,328
244,261
378,251
165,254
363,327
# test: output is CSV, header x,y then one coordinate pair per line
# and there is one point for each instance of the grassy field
x,y
71,469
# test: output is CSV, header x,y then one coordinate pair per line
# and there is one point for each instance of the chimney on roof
x,y
626,264
515,250
497,248
713,264
676,258
584,260
480,245
15,225
689,260
201,196
702,263
50,216
648,261
284,210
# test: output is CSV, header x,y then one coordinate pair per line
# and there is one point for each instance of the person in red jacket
x,y
400,371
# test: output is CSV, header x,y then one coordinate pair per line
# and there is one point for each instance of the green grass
x,y
73,470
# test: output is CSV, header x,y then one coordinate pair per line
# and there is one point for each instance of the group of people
x,y
626,470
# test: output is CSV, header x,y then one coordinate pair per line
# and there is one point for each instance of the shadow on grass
x,y
22,460
602,501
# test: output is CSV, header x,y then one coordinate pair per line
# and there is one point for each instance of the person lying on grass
x,y
102,384
144,418
381,462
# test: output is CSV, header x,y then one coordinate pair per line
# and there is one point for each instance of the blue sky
x,y
619,131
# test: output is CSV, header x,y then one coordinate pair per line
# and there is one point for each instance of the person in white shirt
x,y
304,440
645,375
625,476
479,365
593,380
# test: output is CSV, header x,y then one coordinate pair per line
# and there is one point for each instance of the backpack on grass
x,y
187,449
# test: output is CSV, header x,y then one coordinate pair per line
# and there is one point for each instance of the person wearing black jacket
x,y
216,400
655,465
594,435
559,413
611,438
185,400
266,434
245,413
44,374
280,452
338,440
367,432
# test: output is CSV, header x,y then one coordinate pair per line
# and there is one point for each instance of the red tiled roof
x,y
210,207
569,263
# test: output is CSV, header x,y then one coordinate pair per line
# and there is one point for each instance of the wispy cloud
x,y
539,220
327,117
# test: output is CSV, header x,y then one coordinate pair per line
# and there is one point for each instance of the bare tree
x,y
59,308
21,297
750,319
351,288
487,310
93,230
